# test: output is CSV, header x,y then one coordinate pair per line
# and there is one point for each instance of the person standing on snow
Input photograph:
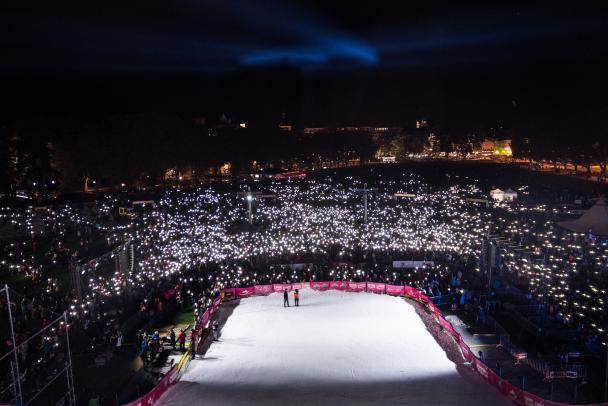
x,y
285,298
296,297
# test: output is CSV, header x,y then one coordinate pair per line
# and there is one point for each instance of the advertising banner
x,y
376,287
244,292
394,290
280,287
263,290
411,292
357,286
448,326
412,264
216,303
319,285
205,317
510,391
466,351
430,305
300,285
338,285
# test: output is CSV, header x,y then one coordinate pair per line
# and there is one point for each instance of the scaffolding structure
x,y
23,388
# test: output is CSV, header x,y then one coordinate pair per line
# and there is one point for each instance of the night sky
x,y
320,62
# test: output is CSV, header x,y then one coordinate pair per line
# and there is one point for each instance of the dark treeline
x,y
140,148
51,152
579,139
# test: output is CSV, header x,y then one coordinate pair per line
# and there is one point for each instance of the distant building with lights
x,y
494,149
502,148
422,124
373,130
284,126
313,130
223,125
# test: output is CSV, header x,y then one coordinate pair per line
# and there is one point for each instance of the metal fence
x,y
38,369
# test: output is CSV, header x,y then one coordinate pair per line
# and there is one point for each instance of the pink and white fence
x,y
152,397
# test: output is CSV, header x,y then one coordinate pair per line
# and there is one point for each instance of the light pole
x,y
249,199
250,196
365,191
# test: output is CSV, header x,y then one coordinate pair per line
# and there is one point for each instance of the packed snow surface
x,y
336,348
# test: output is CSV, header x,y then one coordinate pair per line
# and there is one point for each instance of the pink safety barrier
x,y
244,292
466,351
338,285
411,292
152,397
280,287
263,290
376,287
206,315
395,290
300,285
319,285
356,286
216,302
204,318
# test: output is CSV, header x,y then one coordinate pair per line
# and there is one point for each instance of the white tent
x,y
510,195
594,220
497,194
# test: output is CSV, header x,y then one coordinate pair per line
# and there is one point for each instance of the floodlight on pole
x,y
249,197
365,191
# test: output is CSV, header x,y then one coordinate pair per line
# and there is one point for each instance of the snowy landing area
x,y
336,348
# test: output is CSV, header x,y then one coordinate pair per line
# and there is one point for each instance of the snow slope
x,y
336,348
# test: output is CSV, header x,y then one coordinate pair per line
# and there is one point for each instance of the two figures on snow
x,y
296,298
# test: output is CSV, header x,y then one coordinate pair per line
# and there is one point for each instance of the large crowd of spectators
x,y
196,242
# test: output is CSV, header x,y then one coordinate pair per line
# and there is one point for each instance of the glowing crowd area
x,y
199,239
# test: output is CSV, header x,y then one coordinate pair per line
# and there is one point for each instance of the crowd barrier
x,y
152,397
517,395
